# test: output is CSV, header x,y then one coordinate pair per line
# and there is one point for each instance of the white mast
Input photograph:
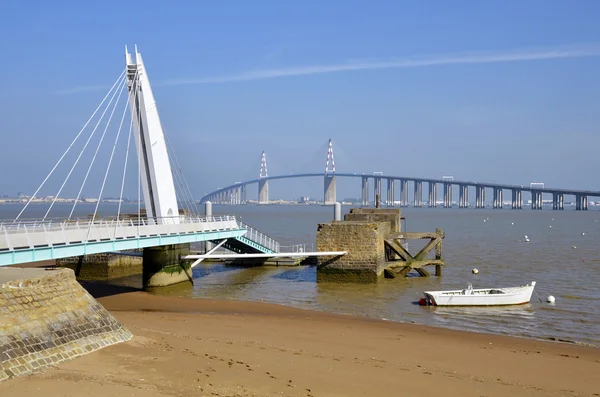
x,y
157,180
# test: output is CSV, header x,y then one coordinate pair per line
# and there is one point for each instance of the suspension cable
x,y
71,145
81,153
112,153
182,175
112,112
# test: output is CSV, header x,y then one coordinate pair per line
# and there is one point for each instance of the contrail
x,y
394,63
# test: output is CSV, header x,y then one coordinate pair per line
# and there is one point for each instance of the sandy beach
x,y
193,347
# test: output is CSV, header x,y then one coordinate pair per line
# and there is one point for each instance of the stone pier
x,y
375,242
364,241
163,266
46,318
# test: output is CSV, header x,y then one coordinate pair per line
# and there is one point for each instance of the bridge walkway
x,y
32,241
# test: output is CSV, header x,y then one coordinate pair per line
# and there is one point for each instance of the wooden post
x,y
438,254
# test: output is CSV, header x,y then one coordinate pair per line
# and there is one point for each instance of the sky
x,y
496,91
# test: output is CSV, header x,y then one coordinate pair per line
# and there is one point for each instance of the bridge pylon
x,y
263,181
329,185
160,198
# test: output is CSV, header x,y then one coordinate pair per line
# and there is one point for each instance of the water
x,y
495,247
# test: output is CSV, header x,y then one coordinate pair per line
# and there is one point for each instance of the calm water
x,y
495,247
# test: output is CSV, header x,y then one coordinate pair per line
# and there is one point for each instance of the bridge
x,y
237,192
168,217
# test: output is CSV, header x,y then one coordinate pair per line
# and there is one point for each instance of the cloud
x,y
397,63
394,63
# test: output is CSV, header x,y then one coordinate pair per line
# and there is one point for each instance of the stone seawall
x,y
46,317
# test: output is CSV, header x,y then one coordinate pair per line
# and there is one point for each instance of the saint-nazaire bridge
x,y
237,192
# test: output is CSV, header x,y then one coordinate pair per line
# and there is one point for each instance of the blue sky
x,y
499,91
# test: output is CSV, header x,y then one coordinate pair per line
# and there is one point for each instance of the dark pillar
x,y
163,266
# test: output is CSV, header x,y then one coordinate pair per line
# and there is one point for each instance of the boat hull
x,y
481,297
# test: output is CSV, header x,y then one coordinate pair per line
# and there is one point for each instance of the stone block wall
x,y
46,317
391,215
104,266
364,242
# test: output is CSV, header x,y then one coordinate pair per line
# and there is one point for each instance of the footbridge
x,y
167,218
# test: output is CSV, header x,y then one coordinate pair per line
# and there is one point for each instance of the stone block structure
x,y
46,317
103,266
391,215
364,242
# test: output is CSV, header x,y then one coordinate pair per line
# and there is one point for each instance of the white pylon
x,y
330,157
263,167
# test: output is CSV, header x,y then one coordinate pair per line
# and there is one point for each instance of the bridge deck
x,y
22,242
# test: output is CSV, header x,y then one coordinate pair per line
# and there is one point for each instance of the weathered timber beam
x,y
416,264
414,235
422,272
399,250
428,247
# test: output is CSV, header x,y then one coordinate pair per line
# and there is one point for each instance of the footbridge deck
x,y
32,241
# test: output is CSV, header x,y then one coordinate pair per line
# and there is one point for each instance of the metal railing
x,y
297,248
50,232
259,237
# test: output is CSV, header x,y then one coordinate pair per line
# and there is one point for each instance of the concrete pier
x,y
365,191
432,194
403,193
418,191
447,195
463,196
377,187
329,189
163,266
263,191
390,193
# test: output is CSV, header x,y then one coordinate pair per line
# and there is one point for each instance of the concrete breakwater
x,y
46,317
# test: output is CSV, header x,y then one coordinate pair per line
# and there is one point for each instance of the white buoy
x,y
526,240
475,271
583,233
574,247
512,223
485,220
550,299
550,225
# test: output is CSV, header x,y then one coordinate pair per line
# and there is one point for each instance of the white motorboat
x,y
480,297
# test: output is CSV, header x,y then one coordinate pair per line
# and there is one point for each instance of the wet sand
x,y
194,347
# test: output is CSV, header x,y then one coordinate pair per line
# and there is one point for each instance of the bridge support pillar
x,y
519,199
418,199
447,195
365,191
390,193
377,187
403,193
263,191
432,194
561,201
329,190
162,266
